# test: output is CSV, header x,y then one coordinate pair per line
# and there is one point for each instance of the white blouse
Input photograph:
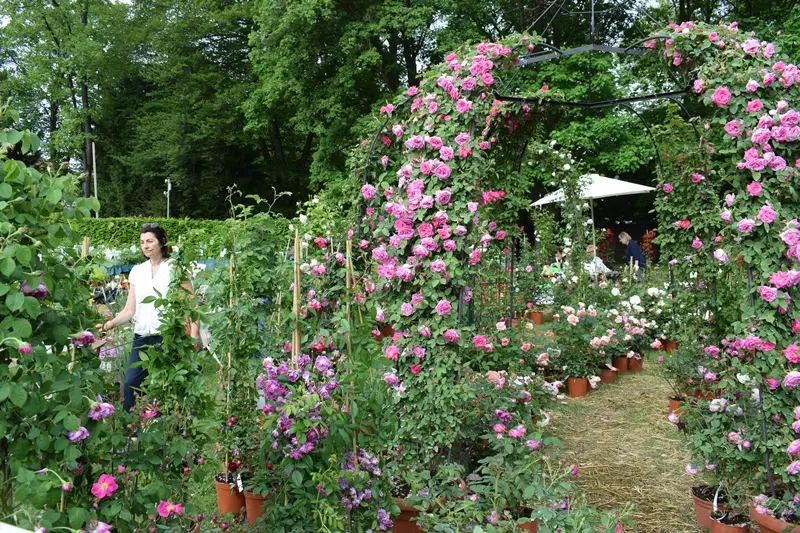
x,y
147,319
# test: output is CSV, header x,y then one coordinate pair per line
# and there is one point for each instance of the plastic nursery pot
x,y
537,317
621,364
229,499
608,376
255,506
529,526
770,524
577,387
406,520
739,525
635,365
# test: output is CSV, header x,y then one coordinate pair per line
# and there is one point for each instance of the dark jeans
x,y
134,376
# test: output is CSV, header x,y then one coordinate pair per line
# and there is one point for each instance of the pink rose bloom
x,y
500,235
443,307
167,508
463,106
472,207
451,335
726,216
720,255
746,225
464,151
406,309
750,46
385,160
442,171
483,145
105,486
450,245
751,86
766,214
392,352
697,178
462,138
754,106
721,96
792,353
697,243
732,128
790,118
667,188
487,79
795,327
517,432
792,380
713,36
479,341
754,188
446,153
460,231
412,91
698,86
769,79
468,84
435,143
443,197
425,331
768,294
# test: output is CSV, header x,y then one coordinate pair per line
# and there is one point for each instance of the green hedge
x,y
123,232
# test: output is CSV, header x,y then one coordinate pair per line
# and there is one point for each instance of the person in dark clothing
x,y
632,251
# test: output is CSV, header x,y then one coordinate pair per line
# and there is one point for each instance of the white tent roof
x,y
598,186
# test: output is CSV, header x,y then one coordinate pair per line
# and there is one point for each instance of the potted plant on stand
x,y
574,333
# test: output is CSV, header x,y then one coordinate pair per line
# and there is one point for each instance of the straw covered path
x,y
628,451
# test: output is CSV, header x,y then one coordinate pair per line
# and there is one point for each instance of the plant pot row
x,y
579,387
231,500
766,523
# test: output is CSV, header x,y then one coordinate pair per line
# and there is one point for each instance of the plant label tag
x,y
239,483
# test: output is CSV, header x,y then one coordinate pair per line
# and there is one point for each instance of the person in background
x,y
146,279
632,251
556,263
595,267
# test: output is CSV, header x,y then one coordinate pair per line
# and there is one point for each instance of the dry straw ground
x,y
628,451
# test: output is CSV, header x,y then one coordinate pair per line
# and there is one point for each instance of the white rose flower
x,y
567,166
303,219
615,292
635,300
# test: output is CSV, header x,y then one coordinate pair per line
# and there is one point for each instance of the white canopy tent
x,y
595,187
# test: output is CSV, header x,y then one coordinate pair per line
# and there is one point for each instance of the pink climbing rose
x,y
721,96
767,214
768,294
105,486
754,188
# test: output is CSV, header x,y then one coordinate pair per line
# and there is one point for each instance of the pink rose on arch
x,y
790,118
697,178
777,163
105,486
792,353
721,96
732,128
462,138
720,255
464,151
451,335
468,84
460,231
752,86
443,307
754,188
697,243
433,107
769,79
698,86
385,160
442,171
768,294
772,383
446,153
791,380
726,216
479,341
450,245
500,235
754,106
750,46
368,192
667,188
472,207
766,214
713,36
795,327
443,197
483,145
463,106
435,143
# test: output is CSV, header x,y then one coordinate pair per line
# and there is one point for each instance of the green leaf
x,y
5,389
71,423
7,266
5,190
32,307
54,195
78,517
15,300
18,396
24,255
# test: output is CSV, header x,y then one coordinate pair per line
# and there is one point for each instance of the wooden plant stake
x,y
296,300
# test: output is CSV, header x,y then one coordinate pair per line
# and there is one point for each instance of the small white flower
x,y
635,300
303,219
315,201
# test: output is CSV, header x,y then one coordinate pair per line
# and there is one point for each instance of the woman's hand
x,y
105,326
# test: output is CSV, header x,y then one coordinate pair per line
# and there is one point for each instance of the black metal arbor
x,y
505,90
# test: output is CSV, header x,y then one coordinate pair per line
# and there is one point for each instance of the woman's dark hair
x,y
160,234
559,251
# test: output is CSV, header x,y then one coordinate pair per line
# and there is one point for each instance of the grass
x,y
628,451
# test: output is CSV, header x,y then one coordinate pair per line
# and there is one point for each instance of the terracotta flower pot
x,y
675,406
719,527
608,376
577,387
530,526
537,317
255,506
702,509
635,365
621,364
229,499
406,520
770,524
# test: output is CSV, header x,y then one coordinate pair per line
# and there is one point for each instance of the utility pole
x,y
166,193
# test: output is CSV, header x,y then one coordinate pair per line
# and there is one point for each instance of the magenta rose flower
x,y
754,188
105,486
667,188
443,307
768,294
746,225
766,214
721,96
451,335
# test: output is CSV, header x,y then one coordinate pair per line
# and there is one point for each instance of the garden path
x,y
628,451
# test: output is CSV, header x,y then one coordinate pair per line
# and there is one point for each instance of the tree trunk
x,y
306,155
392,73
87,119
53,124
410,57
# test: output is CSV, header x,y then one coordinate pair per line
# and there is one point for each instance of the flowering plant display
x,y
576,329
749,91
648,248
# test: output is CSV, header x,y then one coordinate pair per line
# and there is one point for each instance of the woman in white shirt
x,y
151,278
